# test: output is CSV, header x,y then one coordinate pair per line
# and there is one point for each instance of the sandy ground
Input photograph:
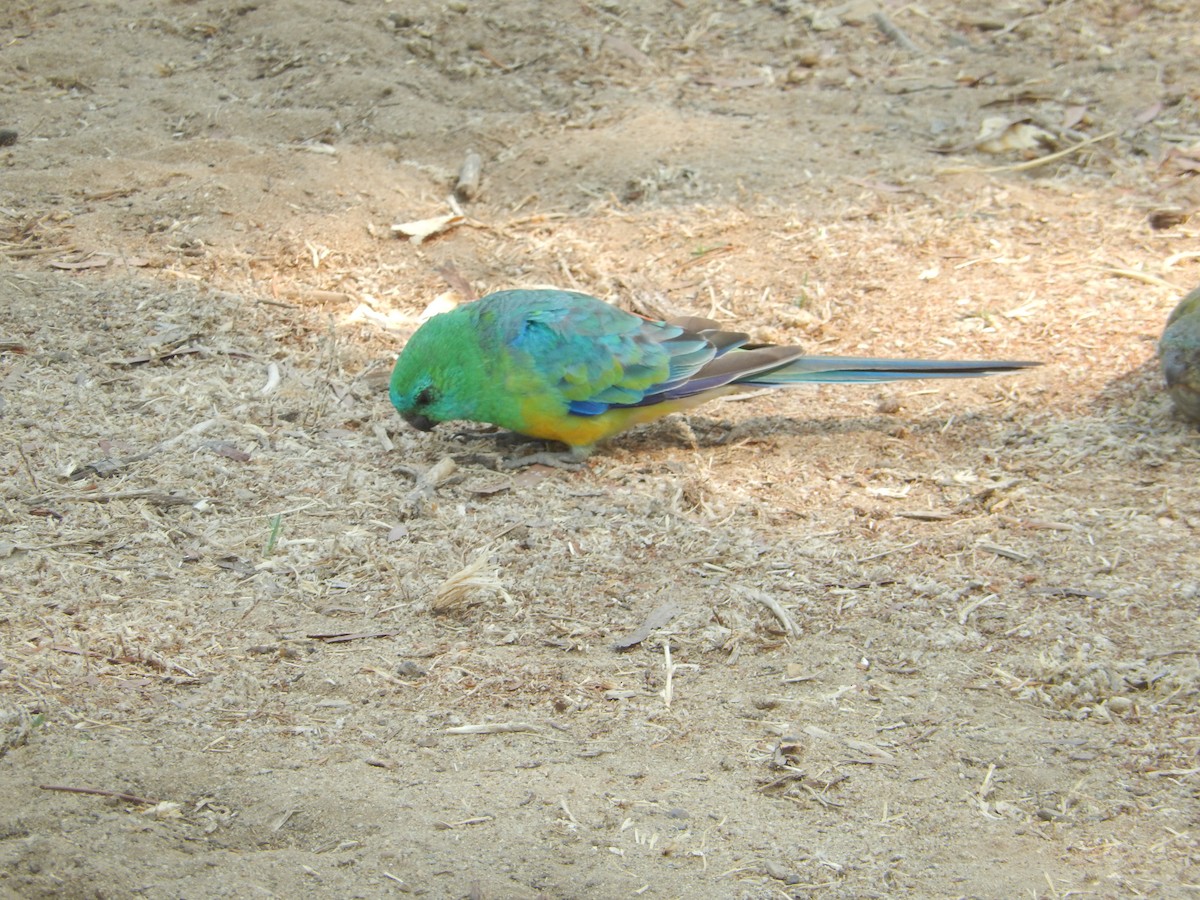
x,y
260,639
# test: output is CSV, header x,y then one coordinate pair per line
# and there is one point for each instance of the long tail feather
x,y
765,366
823,369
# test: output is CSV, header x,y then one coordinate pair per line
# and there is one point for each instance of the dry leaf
x,y
1148,115
1073,115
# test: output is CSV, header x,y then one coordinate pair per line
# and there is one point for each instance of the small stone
x,y
779,872
1119,705
409,669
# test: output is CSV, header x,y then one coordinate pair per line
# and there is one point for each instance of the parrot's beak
x,y
418,421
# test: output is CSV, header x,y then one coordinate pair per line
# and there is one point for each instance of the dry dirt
x,y
222,553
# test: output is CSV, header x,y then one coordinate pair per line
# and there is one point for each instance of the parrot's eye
x,y
426,397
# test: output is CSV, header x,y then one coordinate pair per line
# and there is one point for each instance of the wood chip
x,y
427,483
467,186
420,230
924,515
657,619
1004,551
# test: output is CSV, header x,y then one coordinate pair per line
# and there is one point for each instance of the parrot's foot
x,y
571,459
511,443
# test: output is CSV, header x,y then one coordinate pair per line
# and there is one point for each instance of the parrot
x,y
1179,350
568,367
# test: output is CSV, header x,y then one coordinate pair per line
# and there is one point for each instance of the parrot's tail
x,y
768,366
868,370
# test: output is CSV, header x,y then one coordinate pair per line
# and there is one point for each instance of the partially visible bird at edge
x,y
564,366
1179,350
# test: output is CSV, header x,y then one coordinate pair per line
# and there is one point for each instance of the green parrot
x,y
564,366
1180,352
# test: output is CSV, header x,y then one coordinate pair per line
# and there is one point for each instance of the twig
x,y
99,792
338,637
28,468
1031,163
1174,258
156,497
789,625
1144,277
107,467
1003,551
562,802
893,33
667,690
965,613
986,787
1173,773
886,553
474,820
427,483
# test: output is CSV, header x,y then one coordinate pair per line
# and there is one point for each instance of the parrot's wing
x,y
696,361
600,357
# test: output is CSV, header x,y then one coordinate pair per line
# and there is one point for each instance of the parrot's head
x,y
429,383
413,407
